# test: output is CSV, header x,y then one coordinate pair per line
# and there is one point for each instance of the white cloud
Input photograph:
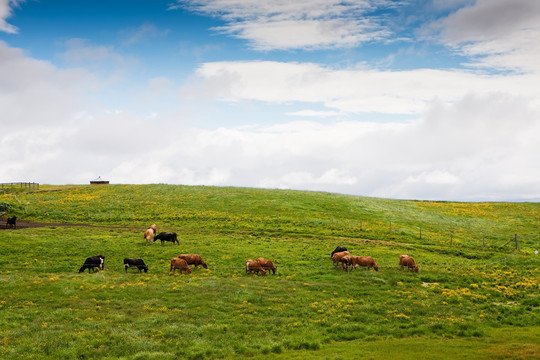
x,y
304,24
496,34
6,10
34,93
480,148
349,91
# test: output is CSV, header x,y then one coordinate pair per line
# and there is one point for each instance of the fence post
x,y
420,233
390,226
516,240
451,238
483,240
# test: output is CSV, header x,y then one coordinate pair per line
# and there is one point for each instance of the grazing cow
x,y
406,260
148,235
338,249
93,262
150,232
193,259
167,236
254,266
179,264
135,264
337,256
267,265
364,261
346,261
11,222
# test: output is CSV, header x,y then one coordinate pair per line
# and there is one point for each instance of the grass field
x,y
475,296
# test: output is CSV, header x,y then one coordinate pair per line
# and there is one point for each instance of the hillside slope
x,y
469,300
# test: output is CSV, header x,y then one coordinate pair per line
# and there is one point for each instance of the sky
x,y
405,99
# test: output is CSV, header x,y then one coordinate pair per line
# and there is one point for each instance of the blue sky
x,y
426,99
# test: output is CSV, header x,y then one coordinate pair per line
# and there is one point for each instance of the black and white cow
x,y
11,222
167,236
338,249
135,264
93,262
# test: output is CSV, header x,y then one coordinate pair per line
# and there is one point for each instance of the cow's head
x,y
102,262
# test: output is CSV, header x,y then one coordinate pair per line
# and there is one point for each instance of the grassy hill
x,y
476,296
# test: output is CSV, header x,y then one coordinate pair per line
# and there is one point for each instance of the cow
x,y
267,265
254,266
193,259
135,264
167,236
179,264
346,261
406,260
337,256
93,262
11,222
364,261
338,249
150,232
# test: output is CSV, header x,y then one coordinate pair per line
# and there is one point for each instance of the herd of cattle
x,y
340,255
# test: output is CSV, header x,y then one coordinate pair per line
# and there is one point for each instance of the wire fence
x,y
314,224
8,187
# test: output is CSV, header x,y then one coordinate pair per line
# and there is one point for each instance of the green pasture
x,y
476,296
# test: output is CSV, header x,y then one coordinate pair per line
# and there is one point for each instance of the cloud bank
x,y
471,134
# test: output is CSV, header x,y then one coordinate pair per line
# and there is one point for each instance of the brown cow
x,y
364,261
406,260
267,265
346,261
337,256
254,266
179,264
193,259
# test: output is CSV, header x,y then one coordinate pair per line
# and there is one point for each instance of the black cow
x,y
135,263
166,236
92,262
338,249
11,222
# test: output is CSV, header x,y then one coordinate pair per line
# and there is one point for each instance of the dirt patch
x,y
22,224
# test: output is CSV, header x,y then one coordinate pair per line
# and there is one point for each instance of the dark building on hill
x,y
99,181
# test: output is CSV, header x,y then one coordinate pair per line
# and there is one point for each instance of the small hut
x,y
99,181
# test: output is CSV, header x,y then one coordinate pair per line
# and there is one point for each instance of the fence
x,y
406,232
19,185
